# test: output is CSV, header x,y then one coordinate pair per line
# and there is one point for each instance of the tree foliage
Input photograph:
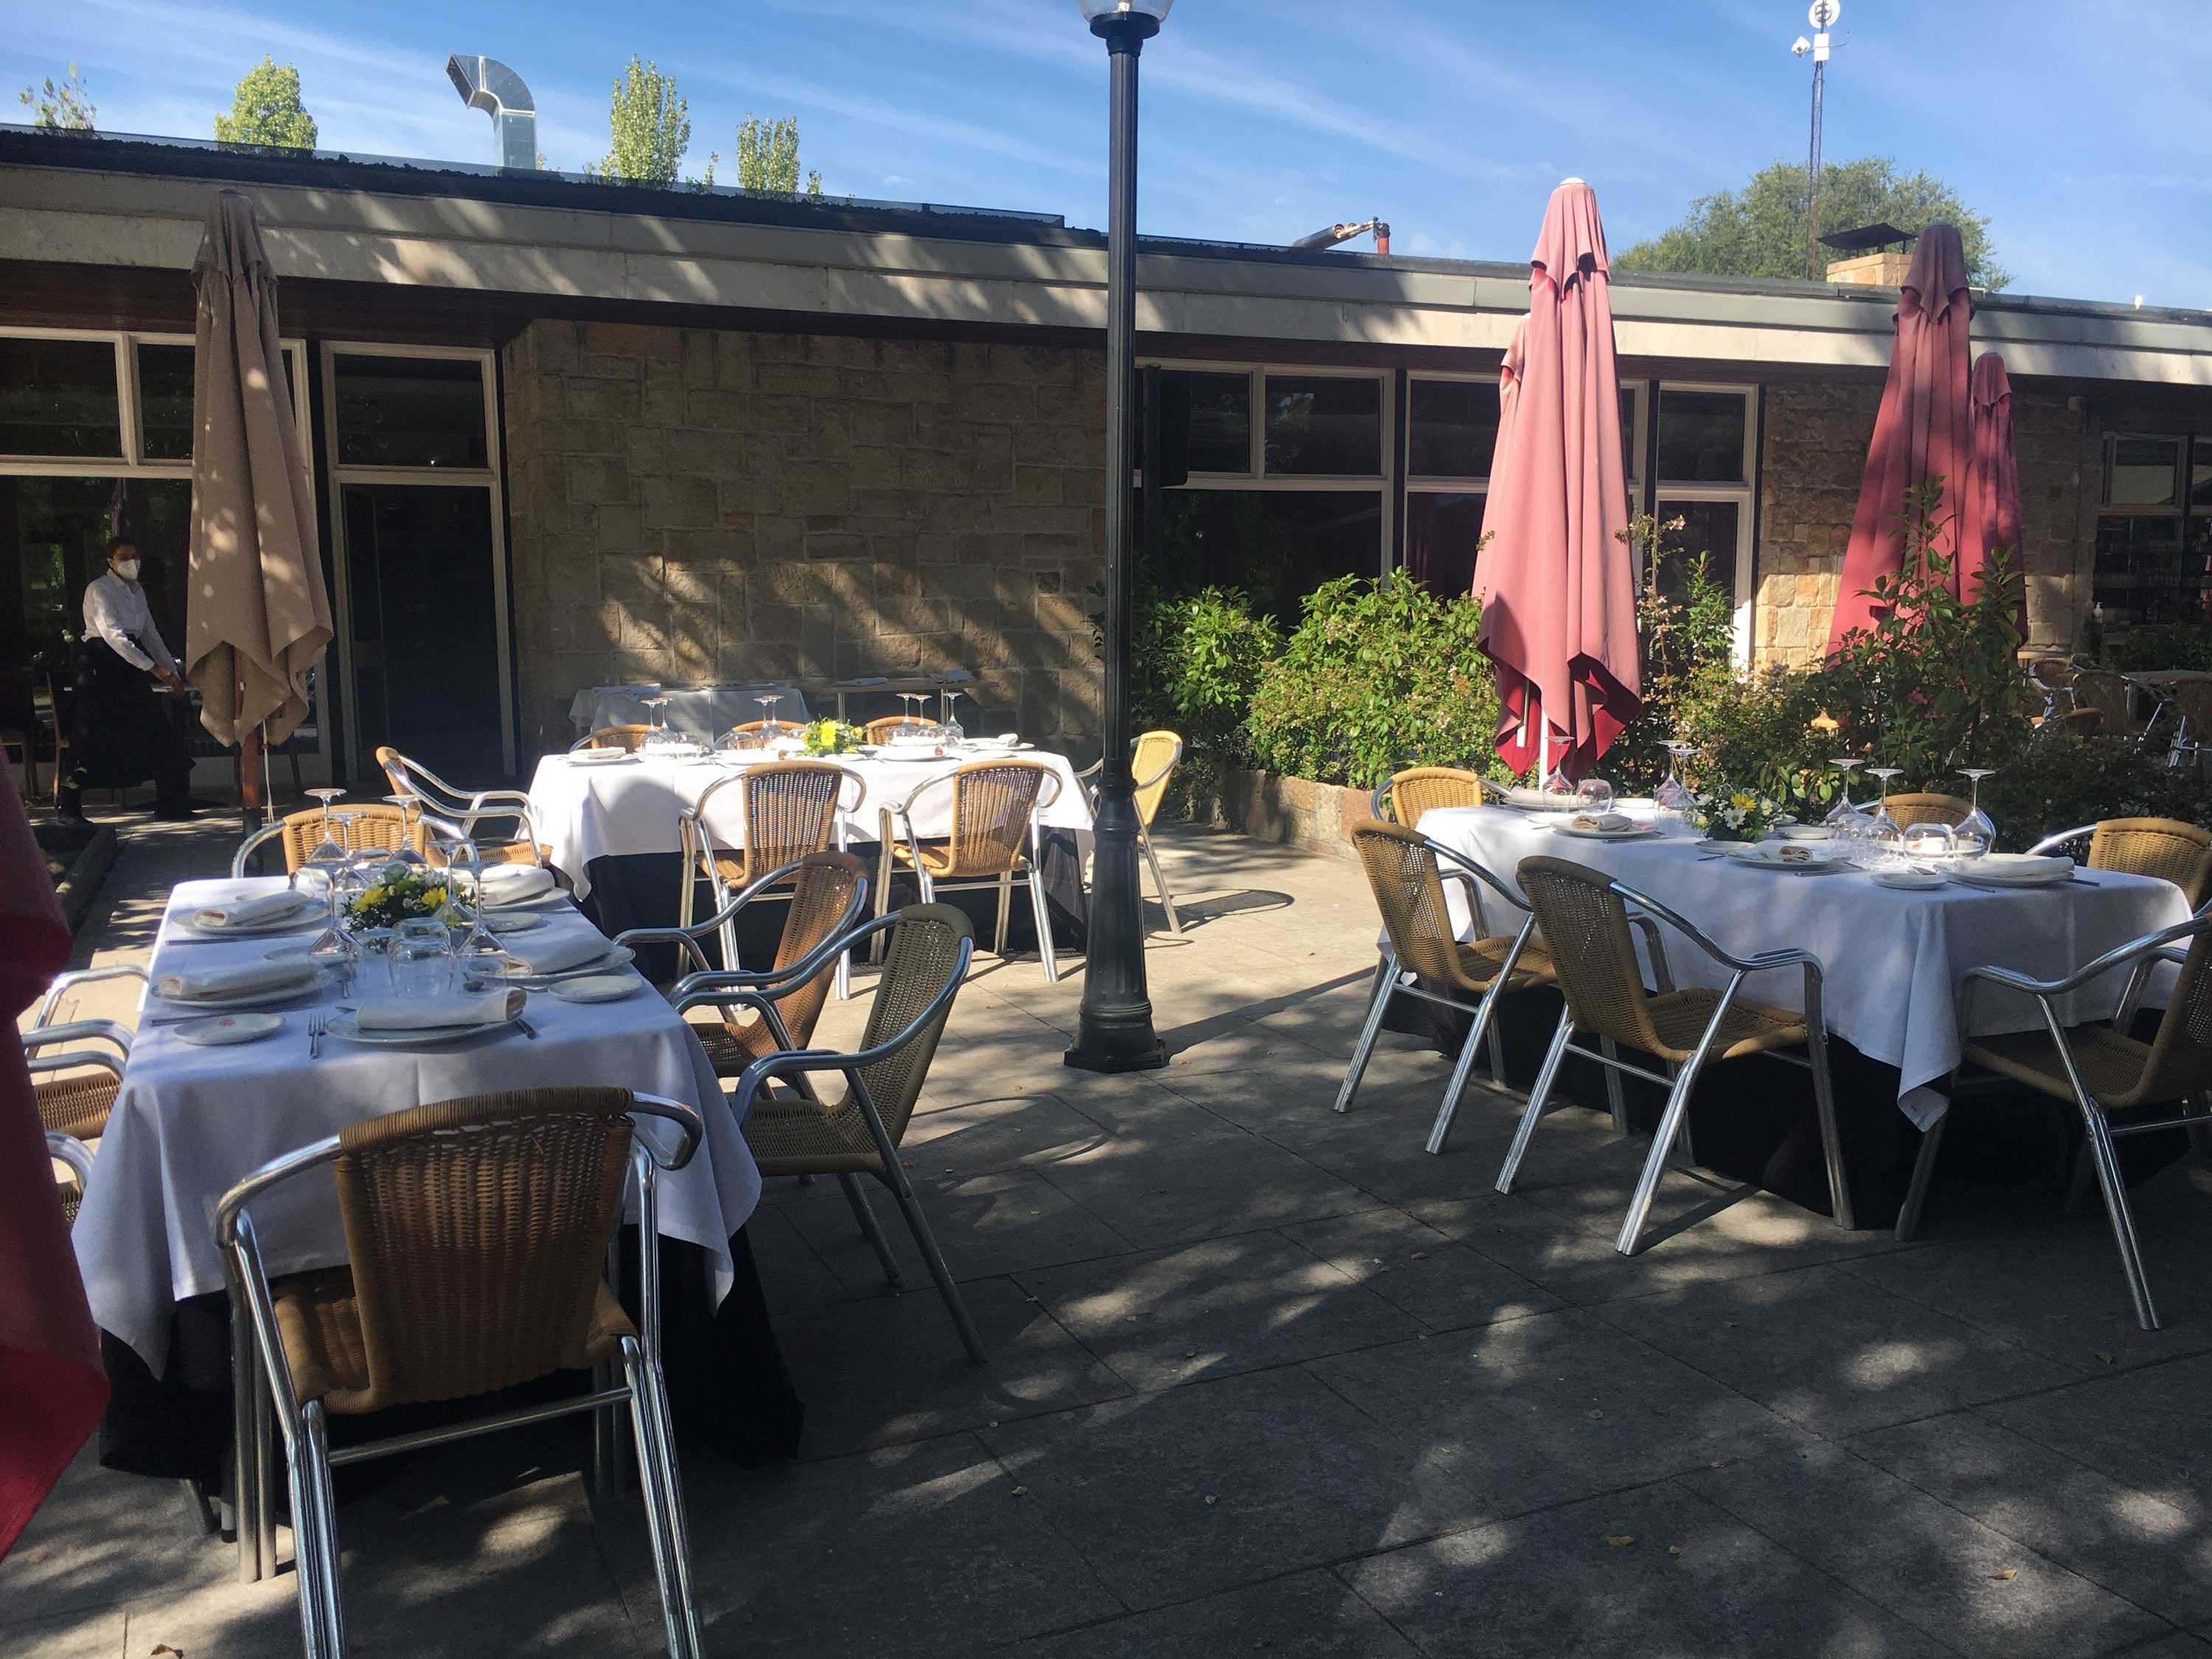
x,y
65,106
266,110
648,129
768,156
1760,230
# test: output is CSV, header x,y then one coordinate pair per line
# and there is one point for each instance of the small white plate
x,y
251,999
550,899
513,922
597,987
310,913
1710,844
619,955
1639,832
227,1029
1908,881
601,758
1806,832
1761,856
348,1027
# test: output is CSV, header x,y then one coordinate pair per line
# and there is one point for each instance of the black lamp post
x,y
1115,1030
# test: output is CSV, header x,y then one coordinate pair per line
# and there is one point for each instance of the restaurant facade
x,y
566,434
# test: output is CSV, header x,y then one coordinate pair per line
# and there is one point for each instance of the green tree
x,y
649,128
768,156
266,110
1760,230
66,107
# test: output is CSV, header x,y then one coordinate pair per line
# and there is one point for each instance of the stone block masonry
x,y
695,505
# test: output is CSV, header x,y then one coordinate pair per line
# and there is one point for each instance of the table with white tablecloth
x,y
1891,959
188,1122
697,711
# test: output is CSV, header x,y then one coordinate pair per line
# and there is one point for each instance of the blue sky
x,y
2081,130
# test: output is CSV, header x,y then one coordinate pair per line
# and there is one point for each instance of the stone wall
x,y
1817,434
691,505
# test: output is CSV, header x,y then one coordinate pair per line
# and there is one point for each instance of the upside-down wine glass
x,y
910,728
771,728
478,940
405,852
1977,832
1672,797
1841,814
328,847
947,697
1883,839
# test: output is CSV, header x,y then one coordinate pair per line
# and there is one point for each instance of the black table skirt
x,y
1753,1120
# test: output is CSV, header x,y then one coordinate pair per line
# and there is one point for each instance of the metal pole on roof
x,y
1822,16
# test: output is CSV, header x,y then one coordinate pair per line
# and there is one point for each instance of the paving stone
x,y
91,1633
2150,1549
2150,1430
100,1538
1298,1478
792,1276
1937,1569
1210,1187
1686,1582
1445,1285
986,1224
1829,1352
891,1368
1554,1406
1229,1304
979,1137
1309,1615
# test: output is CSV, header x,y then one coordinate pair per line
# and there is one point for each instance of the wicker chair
x,y
788,810
1418,789
469,809
477,1231
797,1132
1949,811
1152,762
1406,872
629,738
2053,678
75,1088
376,824
2079,722
2166,847
788,728
992,839
1585,915
2103,1071
2192,735
2105,692
76,1156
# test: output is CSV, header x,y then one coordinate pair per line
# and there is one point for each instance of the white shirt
x,y
113,611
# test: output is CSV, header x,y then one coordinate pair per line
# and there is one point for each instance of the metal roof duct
x,y
487,84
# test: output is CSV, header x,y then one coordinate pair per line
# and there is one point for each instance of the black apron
x,y
122,731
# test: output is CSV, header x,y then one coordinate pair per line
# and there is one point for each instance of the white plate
x,y
1908,881
1760,856
2018,870
601,758
619,955
1640,832
348,1027
228,1029
1806,832
520,919
597,987
311,912
550,899
253,999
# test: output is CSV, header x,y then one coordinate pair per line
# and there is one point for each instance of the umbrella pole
x,y
253,793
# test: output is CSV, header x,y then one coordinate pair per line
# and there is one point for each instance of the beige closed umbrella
x,y
257,612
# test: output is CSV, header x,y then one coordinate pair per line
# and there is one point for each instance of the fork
x,y
315,1024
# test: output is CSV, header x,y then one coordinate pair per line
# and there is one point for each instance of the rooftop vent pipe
x,y
487,84
1336,233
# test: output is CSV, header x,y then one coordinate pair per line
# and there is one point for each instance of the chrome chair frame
x,y
898,822
465,808
1680,1080
2101,1133
696,848
263,1379
795,1063
1144,830
75,977
68,1149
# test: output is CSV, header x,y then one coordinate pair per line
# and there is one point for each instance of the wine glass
x,y
770,730
478,940
909,728
1673,798
1593,796
1883,840
405,852
1977,832
947,698
420,959
1841,814
345,822
1930,845
658,739
327,847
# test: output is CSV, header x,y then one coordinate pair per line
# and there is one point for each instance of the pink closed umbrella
x,y
1922,430
1559,593
1989,505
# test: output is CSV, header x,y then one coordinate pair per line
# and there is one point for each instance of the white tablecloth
x,y
190,1121
585,812
1891,960
697,711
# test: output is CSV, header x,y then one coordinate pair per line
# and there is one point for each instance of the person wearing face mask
x,y
121,732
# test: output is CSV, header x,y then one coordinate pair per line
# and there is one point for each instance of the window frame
x,y
1744,495
2191,449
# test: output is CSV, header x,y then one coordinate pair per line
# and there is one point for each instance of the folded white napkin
x,y
566,949
421,1013
514,884
1609,823
2020,866
251,912
1522,795
248,979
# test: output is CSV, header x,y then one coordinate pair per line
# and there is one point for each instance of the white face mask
x,y
127,569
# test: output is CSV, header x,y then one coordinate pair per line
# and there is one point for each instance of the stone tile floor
x,y
1270,1380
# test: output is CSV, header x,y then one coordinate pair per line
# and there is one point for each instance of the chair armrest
x,y
71,1059
760,1001
1174,761
2150,946
1682,925
2060,840
251,844
1092,770
79,1030
676,1112
68,1149
679,936
63,983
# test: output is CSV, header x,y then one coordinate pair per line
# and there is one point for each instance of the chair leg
x,y
1924,1170
883,886
2121,1217
248,1401
858,1198
1463,1068
1496,1041
1006,909
1616,1098
664,1503
203,1511
1386,977
894,1176
1167,899
1044,924
314,1525
1537,1096
1662,1143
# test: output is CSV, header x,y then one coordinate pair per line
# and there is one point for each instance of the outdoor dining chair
x,y
782,728
1406,795
76,1087
2166,847
76,1156
477,1232
1405,871
469,809
1152,759
787,808
2105,692
795,1132
376,824
2052,678
2104,1072
630,738
2192,735
1949,811
1585,916
883,729
993,838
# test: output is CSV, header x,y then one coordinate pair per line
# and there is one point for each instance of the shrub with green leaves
x,y
2161,645
1685,623
1195,659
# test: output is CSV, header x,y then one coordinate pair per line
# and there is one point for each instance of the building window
x,y
2152,549
1706,467
58,398
411,411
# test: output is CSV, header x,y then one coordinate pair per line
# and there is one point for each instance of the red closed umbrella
x,y
1922,430
1989,505
1559,593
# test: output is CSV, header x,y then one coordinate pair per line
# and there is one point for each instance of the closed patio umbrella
x,y
1922,431
1557,589
1990,504
256,613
